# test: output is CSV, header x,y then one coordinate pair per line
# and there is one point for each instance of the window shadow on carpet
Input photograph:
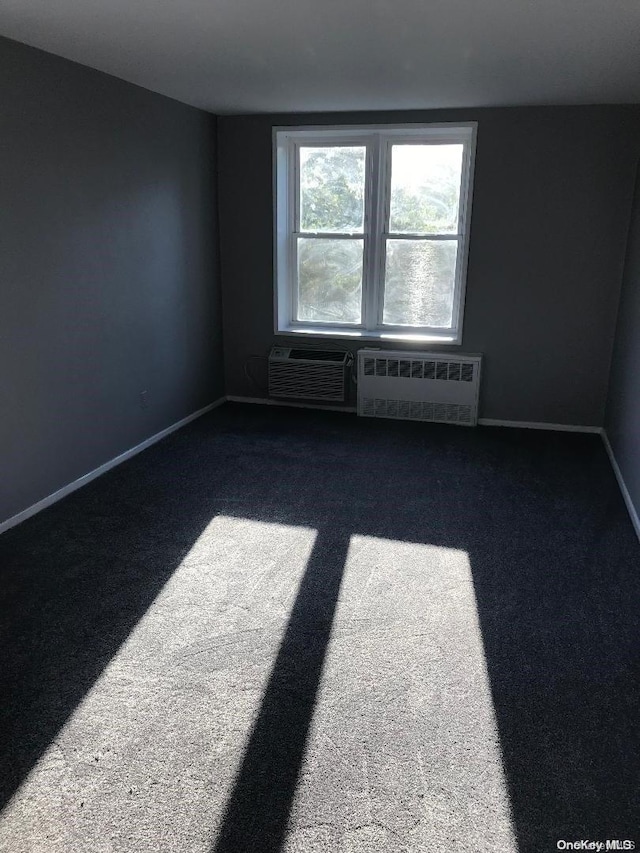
x,y
563,683
554,566
258,809
75,581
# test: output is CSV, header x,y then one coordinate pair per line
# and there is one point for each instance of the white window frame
x,y
378,140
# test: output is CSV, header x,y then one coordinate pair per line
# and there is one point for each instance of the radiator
x,y
308,374
419,386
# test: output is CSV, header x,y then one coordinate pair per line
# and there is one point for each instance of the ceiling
x,y
240,56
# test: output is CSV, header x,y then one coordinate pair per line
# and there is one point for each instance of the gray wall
x,y
108,270
553,191
623,409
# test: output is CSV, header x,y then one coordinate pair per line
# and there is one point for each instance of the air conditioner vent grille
x,y
308,374
317,355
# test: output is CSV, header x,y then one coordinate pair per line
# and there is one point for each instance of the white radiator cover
x,y
419,386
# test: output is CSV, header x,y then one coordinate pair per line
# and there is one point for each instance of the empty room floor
x,y
288,630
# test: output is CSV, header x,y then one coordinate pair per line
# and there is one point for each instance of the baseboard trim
x,y
266,401
102,469
263,401
633,513
533,425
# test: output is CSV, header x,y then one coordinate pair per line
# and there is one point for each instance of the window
x,y
372,230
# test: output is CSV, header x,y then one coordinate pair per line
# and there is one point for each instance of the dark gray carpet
x,y
285,630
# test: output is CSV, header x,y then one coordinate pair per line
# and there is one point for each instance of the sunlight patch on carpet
x,y
162,729
404,750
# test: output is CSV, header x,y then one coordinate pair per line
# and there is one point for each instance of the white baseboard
x,y
87,478
128,454
265,401
533,425
633,513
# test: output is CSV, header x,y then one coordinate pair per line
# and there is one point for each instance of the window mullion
x,y
372,285
384,183
369,220
293,205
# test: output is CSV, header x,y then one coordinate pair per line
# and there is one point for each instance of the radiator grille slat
x,y
441,370
466,372
411,410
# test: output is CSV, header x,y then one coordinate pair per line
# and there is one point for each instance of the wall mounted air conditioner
x,y
308,374
419,386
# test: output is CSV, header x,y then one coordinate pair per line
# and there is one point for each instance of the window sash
x,y
387,176
296,284
381,325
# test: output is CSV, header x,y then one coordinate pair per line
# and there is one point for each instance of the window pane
x,y
419,282
425,189
332,189
329,280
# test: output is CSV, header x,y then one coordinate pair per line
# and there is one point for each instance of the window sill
x,y
368,335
